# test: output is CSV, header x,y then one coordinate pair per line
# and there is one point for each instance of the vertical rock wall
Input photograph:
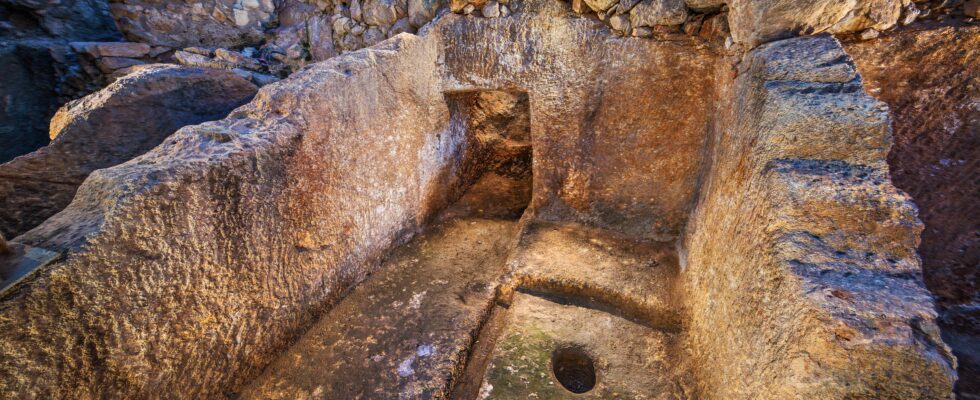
x,y
188,268
801,272
928,76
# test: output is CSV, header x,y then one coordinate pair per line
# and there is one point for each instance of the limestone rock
x,y
380,12
109,65
126,119
935,160
217,23
755,22
112,49
653,13
373,36
401,26
600,5
705,5
745,194
620,22
320,38
491,9
420,12
838,234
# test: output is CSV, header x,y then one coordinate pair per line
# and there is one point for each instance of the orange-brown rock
x,y
928,76
736,223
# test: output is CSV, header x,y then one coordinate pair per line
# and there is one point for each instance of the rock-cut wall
x,y
189,267
802,280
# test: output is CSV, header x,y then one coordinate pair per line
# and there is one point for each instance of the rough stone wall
x,y
928,76
221,23
801,275
128,118
189,267
610,148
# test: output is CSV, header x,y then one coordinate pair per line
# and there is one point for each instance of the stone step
x,y
634,278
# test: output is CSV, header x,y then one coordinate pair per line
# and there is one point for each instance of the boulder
x,y
380,12
124,120
754,22
658,12
420,12
600,5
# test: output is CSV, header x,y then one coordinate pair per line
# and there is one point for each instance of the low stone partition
x,y
801,275
127,119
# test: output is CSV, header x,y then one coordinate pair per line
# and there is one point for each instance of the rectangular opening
x,y
496,169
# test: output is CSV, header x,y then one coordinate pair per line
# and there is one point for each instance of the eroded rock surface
x,y
928,76
816,282
126,119
189,270
405,331
222,23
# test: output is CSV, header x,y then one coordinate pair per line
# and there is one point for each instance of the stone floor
x,y
484,307
628,360
403,333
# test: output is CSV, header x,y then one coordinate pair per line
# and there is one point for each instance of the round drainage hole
x,y
574,369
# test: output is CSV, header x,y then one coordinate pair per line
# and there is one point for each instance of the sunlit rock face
x,y
641,199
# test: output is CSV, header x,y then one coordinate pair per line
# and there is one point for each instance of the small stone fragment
x,y
373,36
193,59
380,12
342,25
909,14
621,23
469,9
869,34
358,29
355,10
420,12
241,17
491,10
642,31
659,12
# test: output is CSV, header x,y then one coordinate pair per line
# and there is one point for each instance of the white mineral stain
x,y
425,350
405,368
416,301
